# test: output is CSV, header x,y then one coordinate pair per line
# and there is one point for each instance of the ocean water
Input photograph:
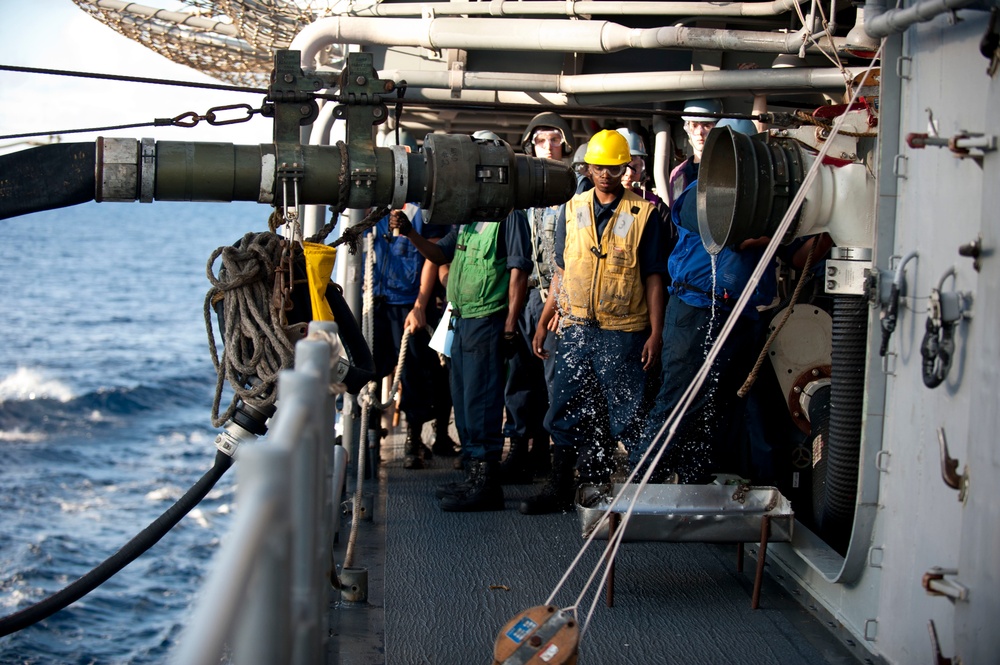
x,y
105,392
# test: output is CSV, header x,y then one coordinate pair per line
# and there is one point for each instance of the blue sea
x,y
105,393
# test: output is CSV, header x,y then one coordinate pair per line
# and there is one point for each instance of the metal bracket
x,y
939,659
935,583
949,469
882,460
871,630
903,64
899,164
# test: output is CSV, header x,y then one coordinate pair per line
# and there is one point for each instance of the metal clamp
x,y
936,584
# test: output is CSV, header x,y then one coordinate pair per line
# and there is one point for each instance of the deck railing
x,y
268,592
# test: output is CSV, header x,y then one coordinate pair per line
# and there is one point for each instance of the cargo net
x,y
231,40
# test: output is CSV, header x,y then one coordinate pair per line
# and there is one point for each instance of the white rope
x,y
669,427
365,397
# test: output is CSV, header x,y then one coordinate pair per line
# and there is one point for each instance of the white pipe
x,y
661,155
580,8
881,23
532,35
315,215
750,81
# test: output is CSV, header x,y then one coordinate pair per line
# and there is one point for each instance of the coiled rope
x,y
254,349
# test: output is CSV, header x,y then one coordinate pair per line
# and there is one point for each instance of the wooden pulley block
x,y
541,635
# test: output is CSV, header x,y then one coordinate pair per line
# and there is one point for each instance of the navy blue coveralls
x,y
478,367
693,319
396,283
600,393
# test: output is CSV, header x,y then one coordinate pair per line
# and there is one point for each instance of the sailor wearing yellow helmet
x,y
609,250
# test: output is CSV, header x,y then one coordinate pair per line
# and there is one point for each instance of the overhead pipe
x,y
660,168
535,35
880,22
580,8
749,81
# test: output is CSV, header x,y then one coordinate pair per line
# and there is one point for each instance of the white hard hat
x,y
701,106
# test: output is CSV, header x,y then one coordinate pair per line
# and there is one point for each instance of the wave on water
x,y
28,384
34,406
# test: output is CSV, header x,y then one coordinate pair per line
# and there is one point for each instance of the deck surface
x,y
441,585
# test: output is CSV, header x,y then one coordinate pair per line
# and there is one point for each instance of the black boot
x,y
516,469
559,492
414,449
483,491
443,446
456,487
540,455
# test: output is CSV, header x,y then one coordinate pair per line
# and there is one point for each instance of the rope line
x,y
131,79
752,377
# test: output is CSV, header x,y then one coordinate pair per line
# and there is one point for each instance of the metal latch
x,y
936,584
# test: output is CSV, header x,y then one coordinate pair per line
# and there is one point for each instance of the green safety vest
x,y
479,280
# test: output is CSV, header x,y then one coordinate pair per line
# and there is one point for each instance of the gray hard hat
x,y
635,146
485,135
547,120
701,106
742,126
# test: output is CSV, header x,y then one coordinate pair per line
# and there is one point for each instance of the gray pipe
x,y
533,35
583,8
880,22
620,88
661,154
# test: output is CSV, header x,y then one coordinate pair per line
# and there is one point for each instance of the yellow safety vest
x,y
601,282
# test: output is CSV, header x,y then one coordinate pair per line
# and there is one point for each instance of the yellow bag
x,y
319,267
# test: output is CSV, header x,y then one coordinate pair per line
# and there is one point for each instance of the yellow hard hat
x,y
607,148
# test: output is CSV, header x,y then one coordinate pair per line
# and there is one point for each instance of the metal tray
x,y
690,513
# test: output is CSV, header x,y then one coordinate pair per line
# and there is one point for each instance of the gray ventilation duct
x,y
747,182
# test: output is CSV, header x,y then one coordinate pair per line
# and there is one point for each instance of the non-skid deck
x,y
441,585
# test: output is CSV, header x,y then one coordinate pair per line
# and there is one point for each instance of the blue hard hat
x,y
742,126
701,106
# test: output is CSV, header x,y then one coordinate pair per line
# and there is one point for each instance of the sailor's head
x,y
697,125
636,171
607,158
547,136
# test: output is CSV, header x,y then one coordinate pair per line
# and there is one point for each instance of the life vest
x,y
478,281
601,281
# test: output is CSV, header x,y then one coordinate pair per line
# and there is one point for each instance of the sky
x,y
59,35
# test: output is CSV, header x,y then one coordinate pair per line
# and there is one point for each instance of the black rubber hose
x,y
819,437
850,327
123,557
47,177
362,365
